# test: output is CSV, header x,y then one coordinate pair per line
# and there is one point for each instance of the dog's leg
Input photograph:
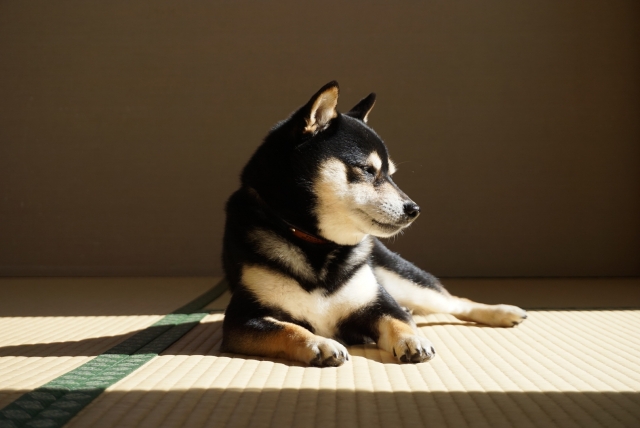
x,y
424,300
268,337
423,293
400,338
391,327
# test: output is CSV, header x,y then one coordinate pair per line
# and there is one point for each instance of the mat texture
x,y
560,368
564,369
49,326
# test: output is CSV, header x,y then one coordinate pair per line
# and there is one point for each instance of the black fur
x,y
277,192
381,256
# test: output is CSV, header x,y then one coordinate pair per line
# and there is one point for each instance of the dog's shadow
x,y
205,340
206,337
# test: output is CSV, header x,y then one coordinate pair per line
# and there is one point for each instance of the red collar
x,y
306,236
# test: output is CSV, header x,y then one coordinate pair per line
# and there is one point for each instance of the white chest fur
x,y
322,312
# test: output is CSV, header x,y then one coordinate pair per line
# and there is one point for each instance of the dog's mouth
x,y
386,228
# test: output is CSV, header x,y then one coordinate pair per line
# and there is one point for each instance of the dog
x,y
301,253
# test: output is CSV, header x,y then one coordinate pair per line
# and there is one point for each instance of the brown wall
x,y
124,125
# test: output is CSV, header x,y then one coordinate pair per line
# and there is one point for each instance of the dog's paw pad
x,y
328,353
414,349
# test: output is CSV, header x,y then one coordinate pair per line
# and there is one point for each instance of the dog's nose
x,y
411,209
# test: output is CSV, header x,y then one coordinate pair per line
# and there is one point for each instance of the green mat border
x,y
54,404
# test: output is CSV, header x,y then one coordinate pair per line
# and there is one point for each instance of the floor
x,y
115,352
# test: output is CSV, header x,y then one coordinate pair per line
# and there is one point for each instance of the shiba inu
x,y
307,272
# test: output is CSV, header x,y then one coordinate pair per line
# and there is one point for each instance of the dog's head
x,y
330,173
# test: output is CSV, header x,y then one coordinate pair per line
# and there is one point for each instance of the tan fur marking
x,y
393,331
375,161
291,342
401,339
336,220
311,128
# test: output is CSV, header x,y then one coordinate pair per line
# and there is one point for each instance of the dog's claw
x,y
416,350
327,353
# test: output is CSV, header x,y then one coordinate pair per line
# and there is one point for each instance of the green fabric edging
x,y
203,300
53,404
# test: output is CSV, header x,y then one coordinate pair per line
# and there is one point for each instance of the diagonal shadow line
x,y
56,402
97,345
99,297
115,345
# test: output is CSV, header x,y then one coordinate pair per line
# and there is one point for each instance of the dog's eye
x,y
369,170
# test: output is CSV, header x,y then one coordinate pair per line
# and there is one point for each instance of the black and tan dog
x,y
301,253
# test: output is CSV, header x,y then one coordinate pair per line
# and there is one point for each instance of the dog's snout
x,y
411,209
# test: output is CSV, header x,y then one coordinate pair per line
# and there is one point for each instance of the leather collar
x,y
306,236
296,231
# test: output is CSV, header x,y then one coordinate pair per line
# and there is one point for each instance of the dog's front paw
x,y
506,316
325,352
413,349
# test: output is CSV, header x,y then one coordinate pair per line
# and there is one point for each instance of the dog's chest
x,y
322,312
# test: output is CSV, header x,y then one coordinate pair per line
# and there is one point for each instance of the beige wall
x,y
124,125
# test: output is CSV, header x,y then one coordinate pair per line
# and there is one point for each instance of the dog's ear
x,y
321,108
363,108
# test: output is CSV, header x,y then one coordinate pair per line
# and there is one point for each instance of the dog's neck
x,y
295,230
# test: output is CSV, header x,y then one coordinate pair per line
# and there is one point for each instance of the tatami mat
x,y
559,368
36,350
565,368
49,326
